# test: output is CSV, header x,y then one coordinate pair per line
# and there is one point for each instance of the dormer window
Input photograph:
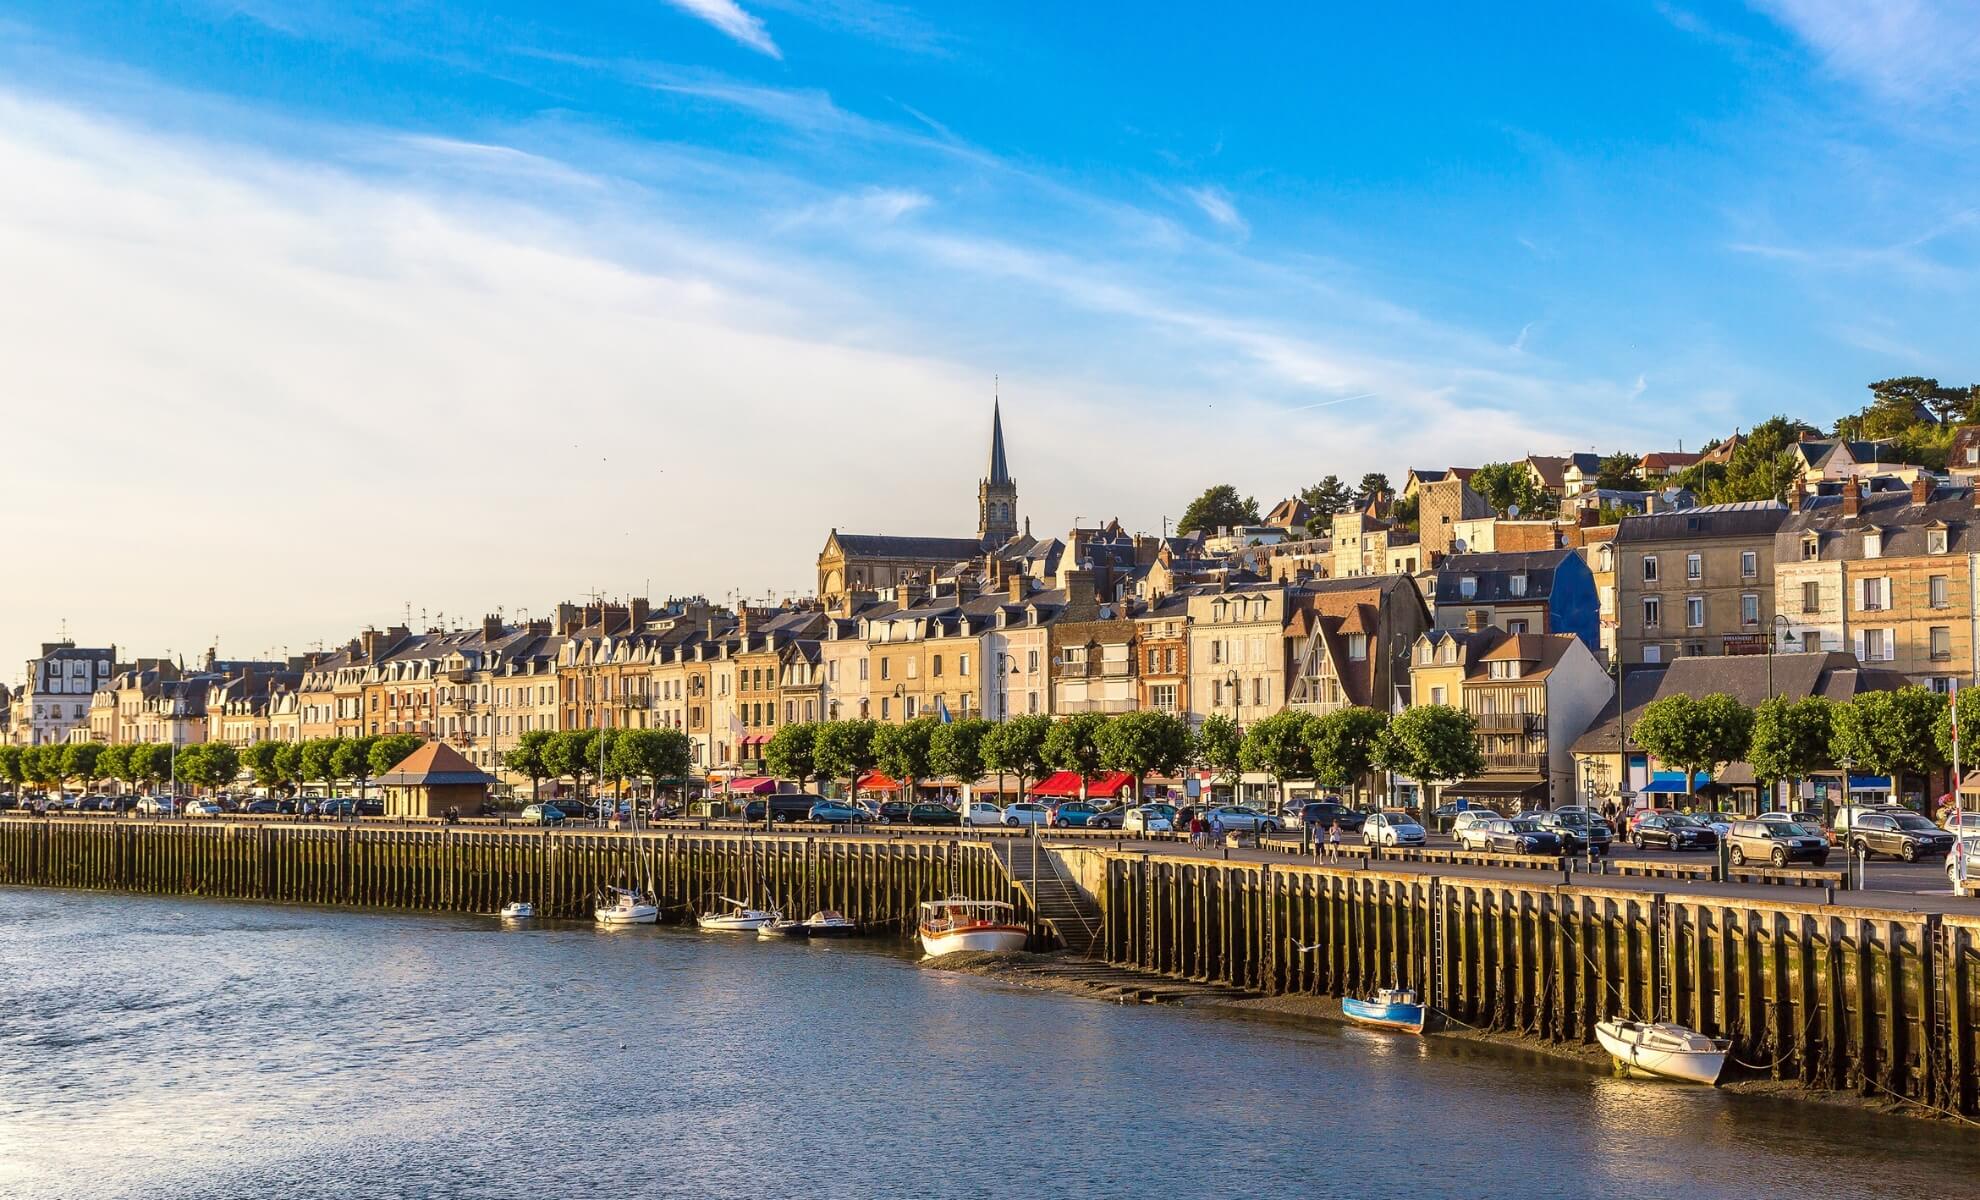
x,y
1468,587
1811,548
1517,584
1873,545
1429,654
1358,647
1503,669
1935,541
1450,652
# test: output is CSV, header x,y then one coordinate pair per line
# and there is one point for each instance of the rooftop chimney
x,y
1921,489
369,642
1476,620
1852,496
1019,582
641,610
1794,498
742,617
491,628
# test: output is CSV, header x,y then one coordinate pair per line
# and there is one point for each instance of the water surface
x,y
168,1048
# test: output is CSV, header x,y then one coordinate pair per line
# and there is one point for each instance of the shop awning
x,y
1869,783
1066,783
754,785
754,739
874,781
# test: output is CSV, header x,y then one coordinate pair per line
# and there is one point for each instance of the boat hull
x,y
975,939
1627,1047
830,931
641,914
1400,1018
734,924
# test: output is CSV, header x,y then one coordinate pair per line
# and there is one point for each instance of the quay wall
x,y
876,882
1876,1002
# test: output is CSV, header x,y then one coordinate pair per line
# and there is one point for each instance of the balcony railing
x,y
1510,723
1096,706
1516,762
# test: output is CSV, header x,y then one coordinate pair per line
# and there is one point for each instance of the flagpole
x,y
1959,799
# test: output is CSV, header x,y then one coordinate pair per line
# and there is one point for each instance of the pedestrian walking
x,y
1216,829
1196,829
1333,841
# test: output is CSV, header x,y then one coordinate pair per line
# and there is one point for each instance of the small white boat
x,y
520,910
984,926
740,918
829,923
628,909
1392,1008
779,930
1668,1051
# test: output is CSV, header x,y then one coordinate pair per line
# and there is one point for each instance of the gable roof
x,y
1493,576
886,545
1890,513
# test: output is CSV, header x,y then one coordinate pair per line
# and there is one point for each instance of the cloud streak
x,y
729,17
1216,204
1918,52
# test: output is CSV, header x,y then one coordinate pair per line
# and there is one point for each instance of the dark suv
x,y
1579,833
1318,814
1904,835
1775,842
784,806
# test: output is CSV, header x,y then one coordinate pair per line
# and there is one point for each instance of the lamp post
x,y
1785,628
1237,698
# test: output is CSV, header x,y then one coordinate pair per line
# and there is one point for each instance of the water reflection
x,y
167,1048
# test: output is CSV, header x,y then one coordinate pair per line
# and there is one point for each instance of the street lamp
x,y
1786,629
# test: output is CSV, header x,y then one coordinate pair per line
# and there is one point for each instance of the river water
x,y
172,1048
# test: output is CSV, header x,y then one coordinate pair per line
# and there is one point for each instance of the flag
x,y
736,726
942,710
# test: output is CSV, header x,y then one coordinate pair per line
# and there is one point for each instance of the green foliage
x,y
289,764
82,762
1373,484
791,752
1889,733
1406,513
1342,744
1278,745
209,764
956,749
571,752
1791,738
1326,498
1618,471
1145,742
902,751
1074,745
1695,733
261,761
319,756
113,762
148,763
1969,727
1431,743
1218,506
1506,484
376,756
10,765
655,754
1218,746
42,765
1017,747
845,748
1894,407
526,757
1762,466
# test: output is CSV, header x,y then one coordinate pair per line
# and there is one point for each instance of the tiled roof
x,y
881,545
434,764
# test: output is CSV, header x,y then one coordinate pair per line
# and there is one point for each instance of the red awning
x,y
755,739
755,785
874,781
1066,783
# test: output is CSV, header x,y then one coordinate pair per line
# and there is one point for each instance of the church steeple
x,y
996,495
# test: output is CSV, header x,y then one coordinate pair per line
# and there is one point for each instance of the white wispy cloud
x,y
729,17
1216,204
1916,51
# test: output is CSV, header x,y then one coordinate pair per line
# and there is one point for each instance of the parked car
x,y
1964,861
1849,814
1638,816
982,812
931,813
784,806
1807,820
1319,815
836,812
1580,831
1027,812
203,808
1900,834
1522,835
1106,818
156,806
1149,818
1468,827
336,806
1392,827
1073,814
1965,820
1241,819
542,814
1720,823
1674,831
371,806
8,801
894,812
263,807
1775,842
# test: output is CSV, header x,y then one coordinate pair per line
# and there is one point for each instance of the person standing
x,y
1333,841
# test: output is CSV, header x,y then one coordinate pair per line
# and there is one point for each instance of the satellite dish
x,y
1458,545
1512,510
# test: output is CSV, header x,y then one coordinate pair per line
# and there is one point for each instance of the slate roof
x,y
1494,574
1834,674
885,545
1890,513
1747,518
1965,438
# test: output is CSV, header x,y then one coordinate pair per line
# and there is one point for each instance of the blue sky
x,y
760,261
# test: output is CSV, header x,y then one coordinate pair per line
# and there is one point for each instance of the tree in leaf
x,y
1143,743
654,755
10,766
1695,734
1969,730
1372,485
209,765
383,753
352,760
1890,733
1431,743
571,752
792,753
1761,467
1218,747
1326,498
526,757
319,758
259,759
902,752
82,762
845,748
1618,472
289,766
113,762
1218,507
1017,747
1278,745
1508,484
1791,739
955,749
42,765
1342,745
1074,745
147,763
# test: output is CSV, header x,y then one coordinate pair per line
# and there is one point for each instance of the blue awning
x,y
1663,787
1869,783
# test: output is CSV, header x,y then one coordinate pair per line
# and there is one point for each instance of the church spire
x,y
996,495
1000,471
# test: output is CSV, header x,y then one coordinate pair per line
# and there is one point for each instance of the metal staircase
x,y
1063,908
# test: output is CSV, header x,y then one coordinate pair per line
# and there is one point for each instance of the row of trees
x,y
1908,731
1430,744
655,755
273,765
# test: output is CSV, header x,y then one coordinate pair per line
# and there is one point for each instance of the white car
x,y
155,806
1392,827
982,812
1027,812
1149,818
1965,855
1469,828
1964,821
203,808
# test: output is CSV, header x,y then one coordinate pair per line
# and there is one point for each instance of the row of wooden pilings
x,y
1874,1001
876,882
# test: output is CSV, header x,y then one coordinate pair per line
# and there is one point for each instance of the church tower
x,y
996,495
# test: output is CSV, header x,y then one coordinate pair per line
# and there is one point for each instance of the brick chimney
x,y
491,628
641,610
1794,498
1020,582
742,617
1852,496
1921,490
1476,620
369,641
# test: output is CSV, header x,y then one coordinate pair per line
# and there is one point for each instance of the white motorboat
x,y
519,910
778,930
829,923
1668,1051
739,918
956,925
627,909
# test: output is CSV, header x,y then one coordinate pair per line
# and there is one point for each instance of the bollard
x,y
1829,894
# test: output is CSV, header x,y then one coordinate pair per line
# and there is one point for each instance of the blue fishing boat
x,y
1392,1008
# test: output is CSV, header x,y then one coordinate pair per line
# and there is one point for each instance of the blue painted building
x,y
1528,591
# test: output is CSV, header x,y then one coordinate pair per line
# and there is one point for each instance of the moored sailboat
x,y
956,925
627,909
739,918
1668,1051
